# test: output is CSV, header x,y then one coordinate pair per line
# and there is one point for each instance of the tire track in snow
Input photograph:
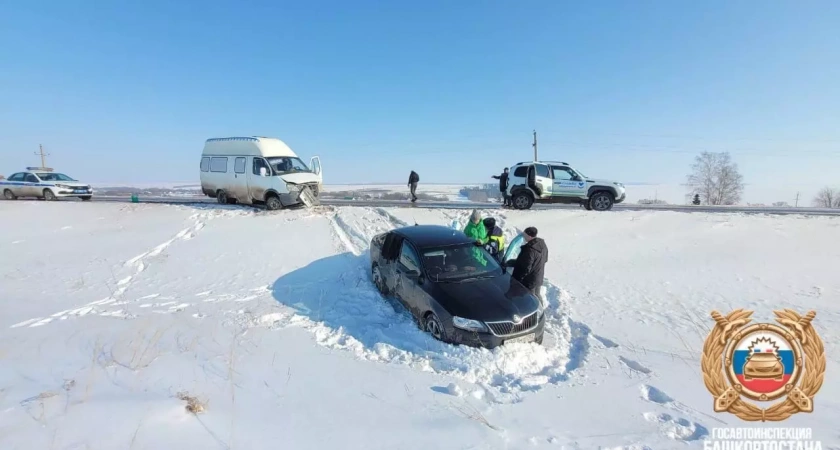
x,y
138,264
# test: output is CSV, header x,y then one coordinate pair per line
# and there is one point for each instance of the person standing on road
x,y
530,265
413,179
503,185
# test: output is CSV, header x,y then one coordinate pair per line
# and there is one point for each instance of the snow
x,y
116,317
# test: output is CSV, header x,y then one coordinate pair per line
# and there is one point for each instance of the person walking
x,y
530,265
413,179
503,185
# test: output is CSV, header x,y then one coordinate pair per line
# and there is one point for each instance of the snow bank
x,y
125,314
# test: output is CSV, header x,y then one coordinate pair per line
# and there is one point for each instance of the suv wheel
x,y
522,200
601,201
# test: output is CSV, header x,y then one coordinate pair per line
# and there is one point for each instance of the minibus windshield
x,y
287,164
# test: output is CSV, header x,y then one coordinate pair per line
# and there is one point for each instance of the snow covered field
x,y
117,316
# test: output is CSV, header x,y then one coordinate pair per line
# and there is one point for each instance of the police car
x,y
43,183
557,182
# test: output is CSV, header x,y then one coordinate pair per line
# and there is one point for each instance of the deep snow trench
x,y
335,299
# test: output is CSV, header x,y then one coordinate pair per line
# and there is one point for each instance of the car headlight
x,y
63,186
468,324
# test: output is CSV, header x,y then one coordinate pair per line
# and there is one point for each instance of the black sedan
x,y
454,289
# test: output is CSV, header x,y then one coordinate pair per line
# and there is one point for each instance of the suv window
x,y
408,257
521,172
562,173
31,178
542,171
16,177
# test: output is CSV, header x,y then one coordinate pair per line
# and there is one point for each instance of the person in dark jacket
x,y
530,265
503,185
413,179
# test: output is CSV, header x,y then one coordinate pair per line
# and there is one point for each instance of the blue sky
x,y
128,92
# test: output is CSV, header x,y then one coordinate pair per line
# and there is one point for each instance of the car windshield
x,y
459,263
287,164
54,177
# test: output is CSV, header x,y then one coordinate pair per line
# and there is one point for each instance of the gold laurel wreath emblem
x,y
728,397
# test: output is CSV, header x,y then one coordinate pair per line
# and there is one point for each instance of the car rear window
x,y
521,172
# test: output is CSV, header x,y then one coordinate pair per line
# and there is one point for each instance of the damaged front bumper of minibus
x,y
306,193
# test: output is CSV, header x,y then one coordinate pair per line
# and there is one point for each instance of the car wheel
x,y
522,201
9,195
222,197
587,205
539,340
272,203
376,274
48,195
433,325
86,198
601,201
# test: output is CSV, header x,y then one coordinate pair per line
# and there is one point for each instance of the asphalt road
x,y
479,205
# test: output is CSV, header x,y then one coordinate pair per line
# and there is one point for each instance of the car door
x,y
567,183
259,178
31,186
513,249
408,274
240,180
15,183
315,166
543,180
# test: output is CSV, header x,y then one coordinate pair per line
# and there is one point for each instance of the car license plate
x,y
520,339
79,191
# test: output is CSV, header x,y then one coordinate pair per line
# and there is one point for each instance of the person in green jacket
x,y
475,228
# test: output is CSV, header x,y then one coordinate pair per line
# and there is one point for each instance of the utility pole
x,y
535,146
42,155
796,205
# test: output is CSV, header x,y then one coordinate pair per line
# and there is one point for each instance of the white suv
x,y
557,182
